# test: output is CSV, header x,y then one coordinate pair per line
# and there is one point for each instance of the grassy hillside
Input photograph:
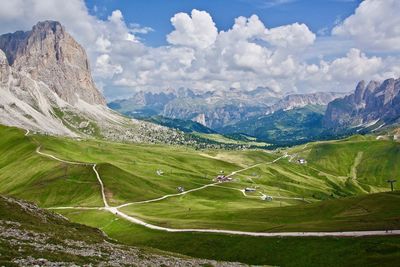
x,y
281,251
186,126
366,212
329,193
30,236
283,127
245,141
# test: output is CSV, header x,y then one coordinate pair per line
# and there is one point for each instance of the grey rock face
x,y
214,108
376,102
46,86
220,108
4,67
50,55
301,100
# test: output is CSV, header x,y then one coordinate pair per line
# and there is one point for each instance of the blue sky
x,y
286,45
316,14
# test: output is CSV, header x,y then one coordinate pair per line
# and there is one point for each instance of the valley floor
x,y
130,192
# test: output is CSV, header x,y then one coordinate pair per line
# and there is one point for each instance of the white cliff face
x,y
46,86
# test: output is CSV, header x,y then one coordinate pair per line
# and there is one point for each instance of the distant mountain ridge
x,y
216,109
283,127
372,105
301,100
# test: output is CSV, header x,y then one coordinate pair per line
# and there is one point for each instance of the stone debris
x,y
24,241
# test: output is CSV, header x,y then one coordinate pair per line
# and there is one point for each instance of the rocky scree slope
x,y
30,236
46,86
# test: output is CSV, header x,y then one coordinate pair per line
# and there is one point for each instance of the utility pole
x,y
391,183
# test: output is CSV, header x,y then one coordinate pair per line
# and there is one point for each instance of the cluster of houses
x,y
222,178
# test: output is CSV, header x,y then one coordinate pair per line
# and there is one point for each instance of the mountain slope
x,y
30,236
216,110
212,109
301,100
46,86
50,55
369,107
186,126
283,127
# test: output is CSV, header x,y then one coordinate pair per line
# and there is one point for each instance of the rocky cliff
x,y
372,105
46,86
301,100
50,55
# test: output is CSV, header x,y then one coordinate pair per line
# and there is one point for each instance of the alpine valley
x,y
186,177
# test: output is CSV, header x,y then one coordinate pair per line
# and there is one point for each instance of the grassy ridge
x,y
29,176
377,160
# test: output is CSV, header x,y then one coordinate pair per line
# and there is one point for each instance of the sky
x,y
156,14
287,45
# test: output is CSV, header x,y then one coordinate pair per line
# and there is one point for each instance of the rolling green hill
x,y
340,188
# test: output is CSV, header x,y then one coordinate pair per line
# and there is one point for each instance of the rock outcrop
x,y
301,100
28,231
373,105
50,55
46,86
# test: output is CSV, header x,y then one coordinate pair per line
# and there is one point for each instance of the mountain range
x,y
216,109
269,116
46,86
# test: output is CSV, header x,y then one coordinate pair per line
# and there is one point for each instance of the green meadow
x,y
342,187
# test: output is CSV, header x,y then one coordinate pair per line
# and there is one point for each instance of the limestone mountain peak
x,y
48,53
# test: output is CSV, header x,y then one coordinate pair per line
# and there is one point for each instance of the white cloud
x,y
291,36
374,25
249,54
105,68
103,44
356,65
197,31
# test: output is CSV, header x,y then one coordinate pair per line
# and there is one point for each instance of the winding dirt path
x,y
116,211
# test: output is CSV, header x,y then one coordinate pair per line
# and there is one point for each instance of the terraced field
x,y
331,192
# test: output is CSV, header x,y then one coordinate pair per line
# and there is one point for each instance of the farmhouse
x,y
180,189
302,161
266,198
249,189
